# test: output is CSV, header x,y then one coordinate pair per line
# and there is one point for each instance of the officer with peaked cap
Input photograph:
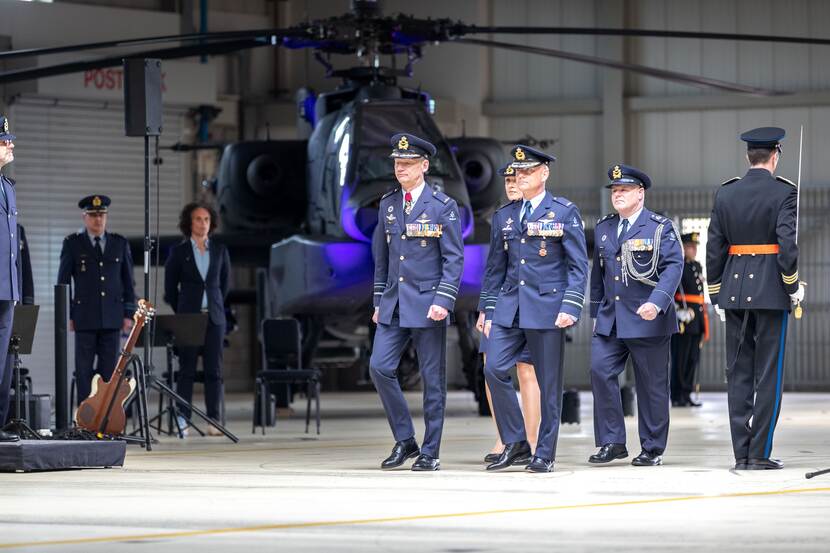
x,y
752,266
419,256
534,288
9,249
637,268
100,267
693,324
528,385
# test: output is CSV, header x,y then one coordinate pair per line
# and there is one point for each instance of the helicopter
x,y
306,208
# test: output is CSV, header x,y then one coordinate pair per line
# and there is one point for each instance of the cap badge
x,y
520,154
5,125
617,174
96,201
403,143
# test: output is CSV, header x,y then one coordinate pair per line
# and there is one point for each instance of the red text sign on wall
x,y
111,79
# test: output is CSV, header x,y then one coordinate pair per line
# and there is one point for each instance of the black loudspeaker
x,y
142,97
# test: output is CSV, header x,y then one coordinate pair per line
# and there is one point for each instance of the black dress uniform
x,y
752,267
694,329
419,257
9,283
633,266
103,295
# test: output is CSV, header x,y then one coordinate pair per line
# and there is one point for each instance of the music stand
x,y
171,331
23,334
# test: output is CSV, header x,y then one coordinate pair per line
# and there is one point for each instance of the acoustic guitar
x,y
103,411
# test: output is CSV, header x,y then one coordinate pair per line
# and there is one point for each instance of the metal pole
x,y
62,407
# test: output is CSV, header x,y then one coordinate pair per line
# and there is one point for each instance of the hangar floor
x,y
290,492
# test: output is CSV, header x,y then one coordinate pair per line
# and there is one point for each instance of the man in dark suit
x,y
9,289
100,266
196,280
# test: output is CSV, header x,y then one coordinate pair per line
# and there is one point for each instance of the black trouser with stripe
x,y
685,359
755,376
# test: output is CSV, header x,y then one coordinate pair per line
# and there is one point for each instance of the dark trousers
x,y
650,358
90,344
211,354
431,349
685,359
755,380
546,352
6,318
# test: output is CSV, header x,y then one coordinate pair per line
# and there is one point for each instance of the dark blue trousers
x,y
546,353
431,349
6,319
650,357
212,365
90,344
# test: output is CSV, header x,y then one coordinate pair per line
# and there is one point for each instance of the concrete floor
x,y
288,491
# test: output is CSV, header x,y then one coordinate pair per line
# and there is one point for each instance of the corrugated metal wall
x,y
67,150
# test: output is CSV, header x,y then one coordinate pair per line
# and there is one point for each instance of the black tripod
x,y
23,333
184,330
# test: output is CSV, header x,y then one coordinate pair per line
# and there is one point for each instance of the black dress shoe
x,y
426,463
517,453
647,459
608,453
764,464
740,464
8,436
537,464
491,457
402,451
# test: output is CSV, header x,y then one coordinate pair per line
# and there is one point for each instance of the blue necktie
x,y
528,208
624,229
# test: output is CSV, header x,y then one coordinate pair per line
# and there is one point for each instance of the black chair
x,y
282,364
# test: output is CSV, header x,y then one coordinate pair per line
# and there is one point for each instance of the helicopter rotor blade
x,y
591,31
216,48
694,80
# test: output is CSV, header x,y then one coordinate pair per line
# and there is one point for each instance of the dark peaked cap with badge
x,y
764,137
409,146
625,174
95,204
4,129
525,157
690,238
507,171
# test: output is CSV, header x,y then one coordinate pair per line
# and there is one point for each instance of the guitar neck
x,y
128,349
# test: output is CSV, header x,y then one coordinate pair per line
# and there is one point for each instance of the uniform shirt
x,y
631,221
534,203
103,240
202,261
416,193
755,209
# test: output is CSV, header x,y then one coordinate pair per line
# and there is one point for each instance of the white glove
x,y
798,296
721,313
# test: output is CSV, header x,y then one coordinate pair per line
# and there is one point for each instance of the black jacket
x,y
184,286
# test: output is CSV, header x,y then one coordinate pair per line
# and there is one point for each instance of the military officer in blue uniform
x,y
535,288
419,256
528,386
100,267
637,267
9,248
752,266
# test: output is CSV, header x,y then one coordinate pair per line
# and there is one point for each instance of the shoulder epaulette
x,y
733,179
788,181
564,201
440,196
658,218
116,236
601,219
508,204
389,193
